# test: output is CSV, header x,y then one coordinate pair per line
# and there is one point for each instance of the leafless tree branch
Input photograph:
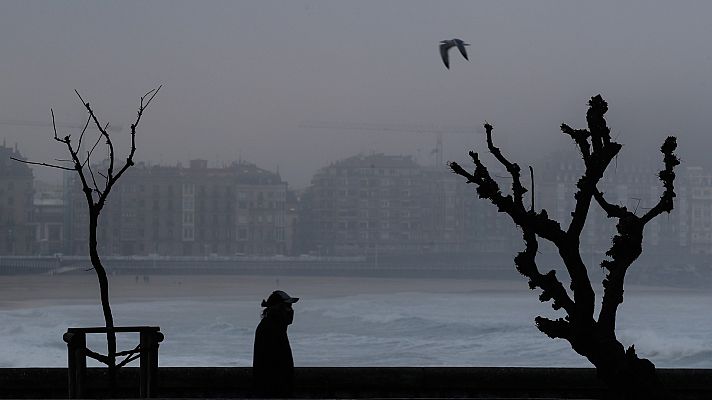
x,y
552,289
81,136
592,338
612,210
42,164
596,162
555,329
103,132
580,137
531,176
93,179
667,177
91,151
513,168
95,207
626,245
142,107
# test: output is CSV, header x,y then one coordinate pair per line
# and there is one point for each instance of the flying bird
x,y
445,45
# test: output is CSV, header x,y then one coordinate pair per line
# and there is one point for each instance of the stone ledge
x,y
357,382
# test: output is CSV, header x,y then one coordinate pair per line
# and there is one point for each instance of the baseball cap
x,y
279,296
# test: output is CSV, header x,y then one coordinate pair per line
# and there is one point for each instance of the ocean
x,y
378,328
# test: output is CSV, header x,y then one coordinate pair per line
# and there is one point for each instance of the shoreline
x,y
27,291
30,291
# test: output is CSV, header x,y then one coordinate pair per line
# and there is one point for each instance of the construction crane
x,y
437,130
20,122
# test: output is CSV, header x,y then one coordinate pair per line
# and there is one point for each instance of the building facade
x,y
193,211
374,205
635,186
381,205
699,218
17,235
48,218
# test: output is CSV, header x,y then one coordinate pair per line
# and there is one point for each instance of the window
x,y
188,233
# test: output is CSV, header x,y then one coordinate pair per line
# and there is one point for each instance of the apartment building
x,y
17,235
383,205
187,211
635,186
48,219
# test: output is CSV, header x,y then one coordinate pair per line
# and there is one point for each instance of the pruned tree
x,y
96,190
590,336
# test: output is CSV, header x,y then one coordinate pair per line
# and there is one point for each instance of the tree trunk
x,y
627,376
103,288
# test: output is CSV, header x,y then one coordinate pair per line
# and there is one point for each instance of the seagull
x,y
445,45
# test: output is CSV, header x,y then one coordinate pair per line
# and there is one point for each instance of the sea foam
x,y
392,329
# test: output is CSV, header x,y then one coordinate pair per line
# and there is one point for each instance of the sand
x,y
28,291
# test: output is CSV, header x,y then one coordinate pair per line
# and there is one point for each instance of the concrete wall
x,y
414,382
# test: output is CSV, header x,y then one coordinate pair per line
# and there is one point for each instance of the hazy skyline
x,y
240,77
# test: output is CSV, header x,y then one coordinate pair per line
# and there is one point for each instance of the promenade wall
x,y
362,382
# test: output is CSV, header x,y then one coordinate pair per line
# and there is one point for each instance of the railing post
x,y
76,363
148,362
149,339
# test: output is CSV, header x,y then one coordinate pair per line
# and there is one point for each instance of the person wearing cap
x,y
272,362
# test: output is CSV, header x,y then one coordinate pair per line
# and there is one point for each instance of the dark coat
x,y
272,363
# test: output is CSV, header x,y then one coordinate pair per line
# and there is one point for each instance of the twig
x,y
91,172
102,130
44,164
531,175
54,125
81,136
92,150
635,210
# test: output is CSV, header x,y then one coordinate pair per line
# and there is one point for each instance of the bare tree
x,y
594,338
96,191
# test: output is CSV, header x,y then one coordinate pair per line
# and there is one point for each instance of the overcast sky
x,y
240,77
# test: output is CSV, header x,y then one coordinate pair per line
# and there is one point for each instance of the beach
x,y
209,320
23,291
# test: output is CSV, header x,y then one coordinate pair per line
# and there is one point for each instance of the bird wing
x,y
461,46
444,47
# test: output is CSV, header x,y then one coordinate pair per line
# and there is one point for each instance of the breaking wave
x,y
396,329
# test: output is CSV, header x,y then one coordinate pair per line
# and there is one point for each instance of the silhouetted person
x,y
272,363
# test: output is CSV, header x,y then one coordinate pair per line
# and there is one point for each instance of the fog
x,y
286,85
241,77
